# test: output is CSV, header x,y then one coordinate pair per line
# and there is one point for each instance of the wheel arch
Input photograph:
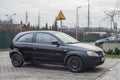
x,y
74,54
15,52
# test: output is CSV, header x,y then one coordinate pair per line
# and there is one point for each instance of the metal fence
x,y
6,39
86,37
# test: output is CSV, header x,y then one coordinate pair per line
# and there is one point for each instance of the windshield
x,y
66,38
111,38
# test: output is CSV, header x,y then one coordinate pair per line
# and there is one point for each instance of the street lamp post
x,y
77,21
10,17
88,15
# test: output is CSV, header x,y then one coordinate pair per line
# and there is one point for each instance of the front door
x,y
44,49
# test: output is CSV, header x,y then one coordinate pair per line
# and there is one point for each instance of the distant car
x,y
108,40
54,47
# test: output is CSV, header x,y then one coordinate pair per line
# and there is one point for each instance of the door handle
x,y
35,48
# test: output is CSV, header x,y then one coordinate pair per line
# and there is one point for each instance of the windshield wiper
x,y
72,42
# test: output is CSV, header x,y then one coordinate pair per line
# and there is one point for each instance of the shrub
x,y
110,51
117,51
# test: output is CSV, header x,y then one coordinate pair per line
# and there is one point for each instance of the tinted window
x,y
26,38
44,38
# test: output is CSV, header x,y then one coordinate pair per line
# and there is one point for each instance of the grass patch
x,y
112,56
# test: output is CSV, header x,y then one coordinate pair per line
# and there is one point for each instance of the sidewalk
x,y
4,50
112,74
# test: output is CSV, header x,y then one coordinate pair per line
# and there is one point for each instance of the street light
x,y
10,17
77,21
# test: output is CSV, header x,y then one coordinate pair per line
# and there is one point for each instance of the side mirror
x,y
107,39
55,43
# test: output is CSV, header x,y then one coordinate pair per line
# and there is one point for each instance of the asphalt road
x,y
53,72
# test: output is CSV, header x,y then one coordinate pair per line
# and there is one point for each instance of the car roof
x,y
53,32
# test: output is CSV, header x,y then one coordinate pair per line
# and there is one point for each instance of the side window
x,y
118,37
26,38
111,38
44,38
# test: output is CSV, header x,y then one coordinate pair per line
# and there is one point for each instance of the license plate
x,y
103,58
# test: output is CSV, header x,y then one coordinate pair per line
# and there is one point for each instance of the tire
x,y
17,60
101,43
75,64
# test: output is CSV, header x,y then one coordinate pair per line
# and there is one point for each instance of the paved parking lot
x,y
50,72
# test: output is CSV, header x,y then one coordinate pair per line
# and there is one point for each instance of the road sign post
x,y
61,17
60,25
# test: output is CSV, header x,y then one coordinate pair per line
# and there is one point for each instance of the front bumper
x,y
95,61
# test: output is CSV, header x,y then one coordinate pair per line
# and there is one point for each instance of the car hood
x,y
86,46
101,40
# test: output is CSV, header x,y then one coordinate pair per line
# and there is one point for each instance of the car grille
x,y
101,53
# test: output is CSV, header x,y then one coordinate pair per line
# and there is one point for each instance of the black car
x,y
54,47
110,39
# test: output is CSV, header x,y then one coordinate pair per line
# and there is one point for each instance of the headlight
x,y
91,53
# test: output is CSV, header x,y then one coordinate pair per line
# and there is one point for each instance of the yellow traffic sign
x,y
61,16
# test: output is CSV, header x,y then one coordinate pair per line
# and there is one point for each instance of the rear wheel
x,y
17,60
75,64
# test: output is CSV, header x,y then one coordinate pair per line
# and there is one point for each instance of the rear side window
x,y
26,38
44,38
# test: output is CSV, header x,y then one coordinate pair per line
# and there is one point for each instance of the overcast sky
x,y
49,9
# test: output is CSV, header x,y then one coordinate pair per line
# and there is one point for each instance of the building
x,y
5,26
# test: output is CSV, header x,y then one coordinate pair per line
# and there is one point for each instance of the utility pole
x,y
88,15
55,24
39,20
21,23
77,21
26,17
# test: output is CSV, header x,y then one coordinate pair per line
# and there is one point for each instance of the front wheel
x,y
75,64
17,60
